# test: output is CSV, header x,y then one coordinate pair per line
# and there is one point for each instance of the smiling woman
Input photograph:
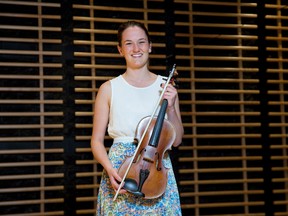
x,y
135,48
120,104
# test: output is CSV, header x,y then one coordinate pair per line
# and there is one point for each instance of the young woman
x,y
120,105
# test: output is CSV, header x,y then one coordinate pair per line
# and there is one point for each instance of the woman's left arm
x,y
173,112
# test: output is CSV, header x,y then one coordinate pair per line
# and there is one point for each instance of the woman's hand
x,y
115,180
170,94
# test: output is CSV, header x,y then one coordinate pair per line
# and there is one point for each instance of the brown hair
x,y
128,24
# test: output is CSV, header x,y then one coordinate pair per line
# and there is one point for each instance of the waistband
x,y
123,139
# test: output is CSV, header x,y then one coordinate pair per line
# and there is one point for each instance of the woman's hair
x,y
128,24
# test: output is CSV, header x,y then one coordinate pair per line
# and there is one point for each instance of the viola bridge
x,y
149,160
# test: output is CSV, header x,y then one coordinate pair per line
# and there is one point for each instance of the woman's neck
x,y
139,78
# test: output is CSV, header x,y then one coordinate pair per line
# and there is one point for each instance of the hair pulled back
x,y
128,24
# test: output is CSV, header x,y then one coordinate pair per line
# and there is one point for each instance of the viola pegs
x,y
175,83
175,74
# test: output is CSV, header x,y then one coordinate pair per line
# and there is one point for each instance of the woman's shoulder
x,y
104,90
107,84
106,87
115,79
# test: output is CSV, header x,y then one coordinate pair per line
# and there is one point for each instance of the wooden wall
x,y
232,62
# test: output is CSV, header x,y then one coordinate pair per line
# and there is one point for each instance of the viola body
x,y
148,161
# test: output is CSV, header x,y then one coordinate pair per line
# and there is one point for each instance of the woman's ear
x,y
119,50
150,47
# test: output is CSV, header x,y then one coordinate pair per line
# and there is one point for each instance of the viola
x,y
144,174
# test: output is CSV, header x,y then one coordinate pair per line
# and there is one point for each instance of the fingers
x,y
170,89
115,180
117,185
170,94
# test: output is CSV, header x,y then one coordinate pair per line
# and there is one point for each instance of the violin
x,y
143,174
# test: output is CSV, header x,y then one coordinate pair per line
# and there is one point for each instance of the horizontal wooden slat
x,y
218,136
220,181
27,3
29,202
31,163
52,213
22,114
35,16
32,176
220,170
213,3
223,147
213,36
30,77
32,151
30,28
109,8
222,158
30,126
231,204
87,174
30,40
221,193
9,101
31,189
26,89
31,139
112,20
30,52
217,14
36,64
96,78
221,113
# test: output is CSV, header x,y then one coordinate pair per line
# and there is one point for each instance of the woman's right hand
x,y
115,180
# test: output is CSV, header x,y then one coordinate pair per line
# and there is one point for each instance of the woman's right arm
x,y
100,122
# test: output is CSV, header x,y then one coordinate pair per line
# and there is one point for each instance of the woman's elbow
x,y
178,140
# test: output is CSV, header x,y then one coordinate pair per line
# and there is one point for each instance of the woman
x,y
120,104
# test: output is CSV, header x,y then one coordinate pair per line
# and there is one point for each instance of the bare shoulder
x,y
104,92
106,86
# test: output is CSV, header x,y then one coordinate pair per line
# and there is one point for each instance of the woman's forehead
x,y
134,32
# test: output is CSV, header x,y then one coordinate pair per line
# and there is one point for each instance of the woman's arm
x,y
173,112
100,122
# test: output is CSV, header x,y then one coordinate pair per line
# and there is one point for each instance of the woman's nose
x,y
135,48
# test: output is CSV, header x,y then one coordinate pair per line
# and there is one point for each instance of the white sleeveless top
x,y
129,104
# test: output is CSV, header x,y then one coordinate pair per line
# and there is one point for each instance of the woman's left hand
x,y
170,94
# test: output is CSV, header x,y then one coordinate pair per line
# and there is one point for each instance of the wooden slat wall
x,y
277,70
29,56
218,159
220,162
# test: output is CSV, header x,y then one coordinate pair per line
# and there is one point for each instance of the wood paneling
x,y
221,165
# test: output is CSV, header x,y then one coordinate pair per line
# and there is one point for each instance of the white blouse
x,y
129,104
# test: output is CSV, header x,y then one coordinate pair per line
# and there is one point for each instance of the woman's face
x,y
135,47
